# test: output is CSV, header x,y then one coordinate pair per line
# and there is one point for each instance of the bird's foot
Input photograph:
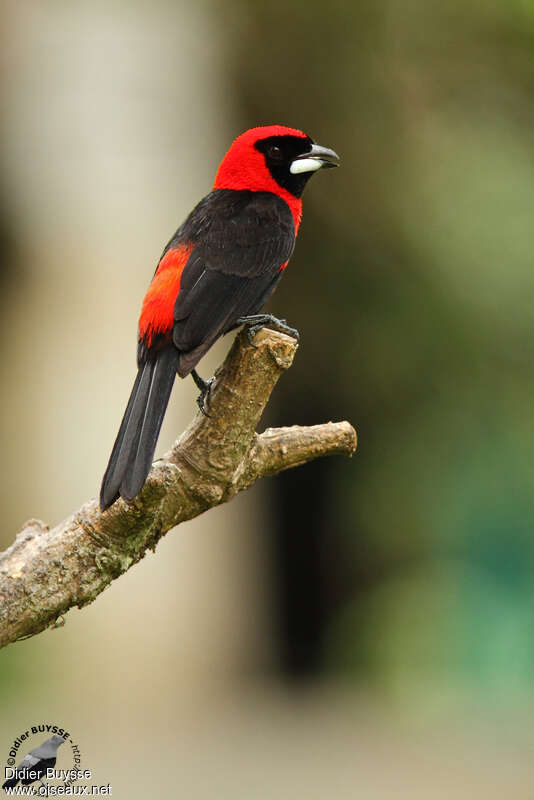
x,y
258,321
204,387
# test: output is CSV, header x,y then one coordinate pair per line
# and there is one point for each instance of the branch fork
x,y
46,571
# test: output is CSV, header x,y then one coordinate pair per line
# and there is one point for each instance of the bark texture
x,y
46,571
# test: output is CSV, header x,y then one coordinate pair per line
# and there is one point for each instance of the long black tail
x,y
133,451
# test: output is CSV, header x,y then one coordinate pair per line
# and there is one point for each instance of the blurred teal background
x,y
358,628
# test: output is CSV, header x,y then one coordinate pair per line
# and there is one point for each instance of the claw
x,y
251,333
256,322
204,387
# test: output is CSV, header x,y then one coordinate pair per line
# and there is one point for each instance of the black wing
x,y
241,241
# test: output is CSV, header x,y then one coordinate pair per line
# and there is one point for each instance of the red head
x,y
273,158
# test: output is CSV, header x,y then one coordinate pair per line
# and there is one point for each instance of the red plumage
x,y
158,305
220,266
243,167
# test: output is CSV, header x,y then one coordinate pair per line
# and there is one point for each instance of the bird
x,y
35,764
215,274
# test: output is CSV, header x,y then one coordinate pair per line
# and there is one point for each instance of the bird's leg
x,y
256,322
204,387
43,783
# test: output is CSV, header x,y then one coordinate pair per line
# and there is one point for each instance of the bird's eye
x,y
275,152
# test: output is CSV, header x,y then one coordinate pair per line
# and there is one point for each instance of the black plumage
x,y
220,266
240,241
134,447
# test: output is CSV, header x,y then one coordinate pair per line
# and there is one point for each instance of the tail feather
x,y
161,385
134,447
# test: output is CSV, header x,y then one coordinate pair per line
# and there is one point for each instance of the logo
x,y
32,767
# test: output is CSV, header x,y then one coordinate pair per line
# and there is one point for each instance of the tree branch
x,y
45,572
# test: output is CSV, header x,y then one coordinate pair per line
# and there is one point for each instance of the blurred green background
x,y
358,628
